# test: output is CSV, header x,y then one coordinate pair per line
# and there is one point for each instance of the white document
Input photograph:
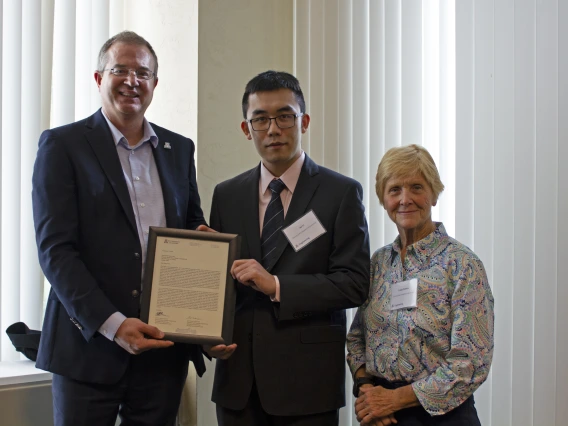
x,y
403,294
304,231
189,286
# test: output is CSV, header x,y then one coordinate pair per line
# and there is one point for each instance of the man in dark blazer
x,y
287,363
98,185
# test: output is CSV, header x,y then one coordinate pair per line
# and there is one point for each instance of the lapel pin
x,y
167,145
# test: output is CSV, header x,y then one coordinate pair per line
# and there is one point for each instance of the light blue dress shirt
x,y
145,190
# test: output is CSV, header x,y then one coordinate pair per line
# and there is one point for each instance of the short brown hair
x,y
407,161
126,37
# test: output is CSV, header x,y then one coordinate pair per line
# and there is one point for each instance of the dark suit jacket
x,y
88,243
296,348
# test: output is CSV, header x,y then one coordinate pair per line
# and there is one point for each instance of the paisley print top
x,y
444,346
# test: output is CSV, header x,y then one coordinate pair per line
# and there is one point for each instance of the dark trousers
x,y
464,415
147,395
254,415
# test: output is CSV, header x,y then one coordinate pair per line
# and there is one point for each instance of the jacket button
x,y
137,255
135,293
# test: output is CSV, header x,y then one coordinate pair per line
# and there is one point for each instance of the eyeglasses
x,y
284,121
141,74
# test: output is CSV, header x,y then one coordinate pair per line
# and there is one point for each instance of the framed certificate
x,y
188,291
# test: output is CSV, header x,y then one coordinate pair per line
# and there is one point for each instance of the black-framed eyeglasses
x,y
284,121
141,74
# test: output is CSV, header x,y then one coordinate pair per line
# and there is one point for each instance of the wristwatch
x,y
360,381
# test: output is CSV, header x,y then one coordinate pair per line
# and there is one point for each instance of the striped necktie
x,y
273,221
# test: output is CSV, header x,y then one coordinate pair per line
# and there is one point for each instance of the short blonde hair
x,y
407,161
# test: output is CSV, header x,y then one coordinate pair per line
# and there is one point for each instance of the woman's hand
x,y
379,404
373,404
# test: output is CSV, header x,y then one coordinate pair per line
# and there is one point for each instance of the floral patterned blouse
x,y
444,346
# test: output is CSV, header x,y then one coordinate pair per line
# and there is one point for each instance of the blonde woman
x,y
423,341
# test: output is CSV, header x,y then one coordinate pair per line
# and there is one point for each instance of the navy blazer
x,y
295,349
88,242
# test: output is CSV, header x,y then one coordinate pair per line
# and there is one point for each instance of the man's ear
x,y
246,130
305,122
98,78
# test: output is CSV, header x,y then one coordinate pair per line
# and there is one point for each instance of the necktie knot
x,y
276,186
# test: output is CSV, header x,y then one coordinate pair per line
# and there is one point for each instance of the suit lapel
x,y
250,211
164,159
305,189
100,138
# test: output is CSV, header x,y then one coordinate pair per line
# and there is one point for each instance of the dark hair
x,y
269,81
126,37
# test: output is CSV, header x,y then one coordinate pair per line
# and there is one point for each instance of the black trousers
x,y
254,415
147,395
464,415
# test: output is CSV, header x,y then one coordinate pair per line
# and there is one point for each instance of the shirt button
x,y
137,255
142,205
135,293
136,177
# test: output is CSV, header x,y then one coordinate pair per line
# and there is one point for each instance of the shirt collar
x,y
289,177
425,247
149,134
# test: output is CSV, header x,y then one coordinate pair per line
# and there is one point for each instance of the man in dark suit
x,y
98,185
287,363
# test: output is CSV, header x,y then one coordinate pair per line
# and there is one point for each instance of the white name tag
x,y
403,294
304,231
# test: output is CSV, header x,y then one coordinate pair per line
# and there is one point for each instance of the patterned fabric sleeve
x,y
467,363
356,343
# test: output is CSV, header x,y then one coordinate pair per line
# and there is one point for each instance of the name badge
x,y
403,294
304,231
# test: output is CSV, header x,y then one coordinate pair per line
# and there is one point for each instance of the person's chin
x,y
276,157
406,224
129,109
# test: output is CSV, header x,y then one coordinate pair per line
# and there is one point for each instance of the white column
x,y
11,139
63,82
100,17
83,63
361,118
47,8
345,87
31,278
302,44
503,235
546,213
561,389
524,213
483,168
314,89
330,117
378,221
464,120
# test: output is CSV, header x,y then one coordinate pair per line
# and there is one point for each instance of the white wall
x,y
237,40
